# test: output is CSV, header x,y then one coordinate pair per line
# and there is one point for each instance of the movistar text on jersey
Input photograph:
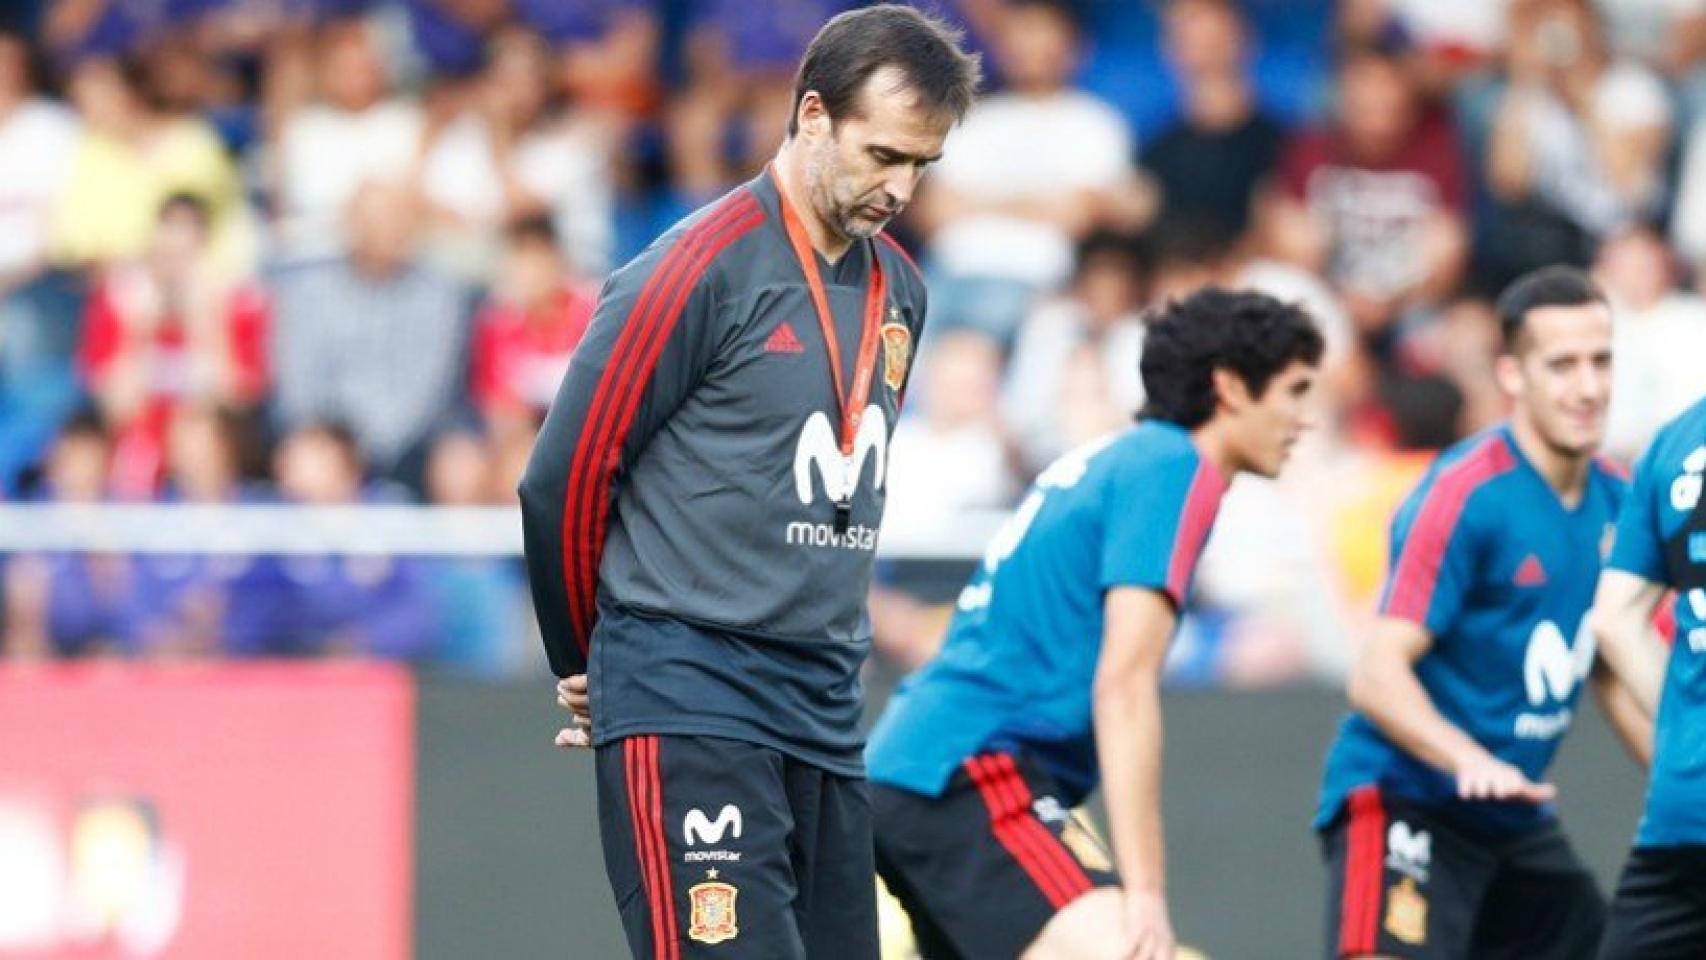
x,y
857,537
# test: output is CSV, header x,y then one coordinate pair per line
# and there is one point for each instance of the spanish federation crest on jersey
x,y
713,919
897,349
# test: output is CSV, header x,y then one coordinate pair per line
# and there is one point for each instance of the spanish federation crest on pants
x,y
713,918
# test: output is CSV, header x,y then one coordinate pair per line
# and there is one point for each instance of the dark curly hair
x,y
1251,334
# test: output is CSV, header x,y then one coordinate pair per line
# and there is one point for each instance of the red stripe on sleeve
x,y
597,451
580,560
1416,573
651,347
1202,501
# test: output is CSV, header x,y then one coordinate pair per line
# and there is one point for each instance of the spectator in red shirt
x,y
526,332
166,330
1375,203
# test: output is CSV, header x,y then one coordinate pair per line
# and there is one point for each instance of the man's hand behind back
x,y
572,696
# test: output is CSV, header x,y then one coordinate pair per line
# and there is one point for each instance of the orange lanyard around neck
x,y
852,401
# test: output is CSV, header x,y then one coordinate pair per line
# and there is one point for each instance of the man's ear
x,y
1507,372
1230,391
811,116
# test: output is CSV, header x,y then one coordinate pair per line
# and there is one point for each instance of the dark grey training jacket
x,y
685,478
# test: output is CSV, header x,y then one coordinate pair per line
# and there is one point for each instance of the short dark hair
x,y
341,436
193,204
1129,248
1554,286
856,44
533,228
1251,334
85,422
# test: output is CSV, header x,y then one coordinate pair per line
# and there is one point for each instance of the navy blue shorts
x,y
1402,882
1659,911
982,868
722,848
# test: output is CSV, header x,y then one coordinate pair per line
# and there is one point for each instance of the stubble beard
x,y
823,174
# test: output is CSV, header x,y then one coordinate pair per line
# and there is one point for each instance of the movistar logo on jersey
x,y
1552,668
819,465
1685,489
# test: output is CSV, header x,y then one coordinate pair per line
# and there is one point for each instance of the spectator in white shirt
x,y
38,306
1073,375
1031,170
1579,135
354,131
507,157
1659,338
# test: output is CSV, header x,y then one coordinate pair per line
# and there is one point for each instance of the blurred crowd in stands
x,y
333,251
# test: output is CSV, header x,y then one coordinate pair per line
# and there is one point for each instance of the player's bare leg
x,y
1089,928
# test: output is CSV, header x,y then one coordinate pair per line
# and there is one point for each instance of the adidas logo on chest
x,y
783,339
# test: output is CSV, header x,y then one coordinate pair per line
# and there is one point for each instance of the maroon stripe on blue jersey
x,y
1416,572
1612,467
598,450
1202,502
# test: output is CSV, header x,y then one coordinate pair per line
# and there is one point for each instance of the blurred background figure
x,y
359,605
1578,144
207,605
71,604
1375,203
164,330
948,456
527,329
739,57
131,155
38,323
1208,164
373,339
509,154
337,123
1074,372
480,611
1003,209
1659,336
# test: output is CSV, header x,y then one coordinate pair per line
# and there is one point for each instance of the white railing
x,y
365,529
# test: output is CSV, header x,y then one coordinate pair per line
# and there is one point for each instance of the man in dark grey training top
x,y
702,506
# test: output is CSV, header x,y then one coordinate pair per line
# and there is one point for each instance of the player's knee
x,y
1089,928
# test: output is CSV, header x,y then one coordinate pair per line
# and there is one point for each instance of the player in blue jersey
x,y
1659,910
1439,832
1054,657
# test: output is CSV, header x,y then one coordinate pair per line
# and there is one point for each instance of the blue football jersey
x,y
1661,537
1016,667
1495,566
